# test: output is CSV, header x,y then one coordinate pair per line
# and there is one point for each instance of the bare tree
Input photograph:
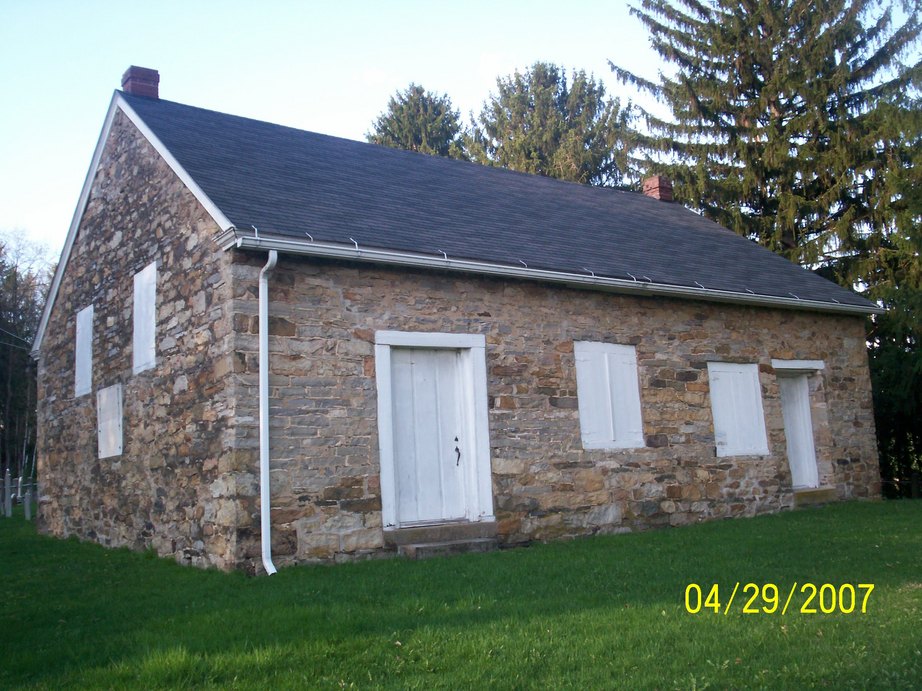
x,y
24,278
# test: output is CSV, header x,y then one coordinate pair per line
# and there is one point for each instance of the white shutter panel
x,y
592,396
737,408
798,429
109,420
721,406
145,318
83,352
736,403
627,423
756,440
609,395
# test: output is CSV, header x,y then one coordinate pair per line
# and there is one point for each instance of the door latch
x,y
457,451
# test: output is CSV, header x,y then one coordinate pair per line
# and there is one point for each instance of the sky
x,y
328,67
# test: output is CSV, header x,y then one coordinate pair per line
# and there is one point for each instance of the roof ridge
x,y
387,150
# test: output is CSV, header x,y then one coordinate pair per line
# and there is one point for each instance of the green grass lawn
x,y
601,612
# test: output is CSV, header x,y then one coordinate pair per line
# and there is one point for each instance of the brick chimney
x,y
141,81
658,187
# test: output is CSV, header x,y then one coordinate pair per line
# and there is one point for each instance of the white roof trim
x,y
181,173
798,365
251,241
117,103
74,225
427,339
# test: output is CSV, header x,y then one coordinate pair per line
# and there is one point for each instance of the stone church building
x,y
265,346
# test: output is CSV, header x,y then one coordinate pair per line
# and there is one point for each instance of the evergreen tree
x,y
784,113
539,123
895,356
795,123
418,120
893,275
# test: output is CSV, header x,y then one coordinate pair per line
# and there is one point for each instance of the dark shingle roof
x,y
291,182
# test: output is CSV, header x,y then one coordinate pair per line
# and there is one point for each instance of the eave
x,y
252,240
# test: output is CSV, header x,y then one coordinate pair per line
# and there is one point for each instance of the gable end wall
x,y
174,487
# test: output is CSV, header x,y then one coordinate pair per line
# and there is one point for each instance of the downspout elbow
x,y
265,496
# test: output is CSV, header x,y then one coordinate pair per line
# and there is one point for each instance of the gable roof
x,y
274,187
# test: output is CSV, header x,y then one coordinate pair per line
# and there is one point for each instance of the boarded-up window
x,y
109,420
83,354
145,318
609,396
736,401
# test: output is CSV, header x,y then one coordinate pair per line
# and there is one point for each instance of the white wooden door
x,y
798,429
429,434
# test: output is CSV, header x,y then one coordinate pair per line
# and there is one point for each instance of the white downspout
x,y
265,508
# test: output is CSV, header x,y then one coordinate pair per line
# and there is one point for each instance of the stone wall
x,y
175,486
325,473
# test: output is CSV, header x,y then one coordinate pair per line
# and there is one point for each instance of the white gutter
x,y
265,498
233,237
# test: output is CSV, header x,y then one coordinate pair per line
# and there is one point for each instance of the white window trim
x,y
591,438
144,319
83,352
473,357
798,366
412,339
109,421
758,443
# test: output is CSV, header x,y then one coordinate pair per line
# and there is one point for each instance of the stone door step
x,y
812,497
424,550
440,532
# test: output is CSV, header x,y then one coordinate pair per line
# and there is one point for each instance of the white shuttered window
x,y
109,420
145,318
736,402
608,393
83,353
